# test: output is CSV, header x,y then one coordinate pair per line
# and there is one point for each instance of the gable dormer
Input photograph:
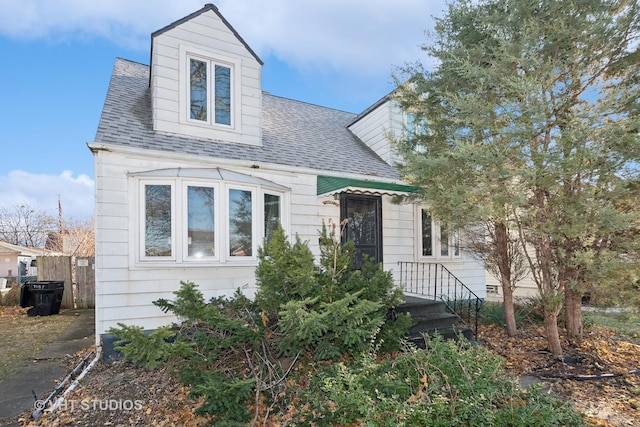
x,y
205,80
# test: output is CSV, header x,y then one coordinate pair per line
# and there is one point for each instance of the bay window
x,y
187,220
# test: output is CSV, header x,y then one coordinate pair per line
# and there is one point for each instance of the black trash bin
x,y
44,297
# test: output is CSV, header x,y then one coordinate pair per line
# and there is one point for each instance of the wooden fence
x,y
82,295
85,282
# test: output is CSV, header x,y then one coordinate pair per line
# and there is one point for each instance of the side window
x,y
271,215
240,223
158,221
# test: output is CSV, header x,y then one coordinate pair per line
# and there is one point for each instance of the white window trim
x,y
188,52
179,222
436,230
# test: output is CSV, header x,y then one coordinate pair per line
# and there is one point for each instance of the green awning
x,y
331,184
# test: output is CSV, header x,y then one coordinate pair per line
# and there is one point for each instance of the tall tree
x,y
533,117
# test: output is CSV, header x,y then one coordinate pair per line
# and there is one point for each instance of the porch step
x,y
421,306
429,322
431,317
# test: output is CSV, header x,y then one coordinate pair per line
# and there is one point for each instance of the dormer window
x,y
209,91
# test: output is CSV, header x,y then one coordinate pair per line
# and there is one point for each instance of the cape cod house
x,y
195,164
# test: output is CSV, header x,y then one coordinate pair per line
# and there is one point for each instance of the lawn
x,y
625,322
22,337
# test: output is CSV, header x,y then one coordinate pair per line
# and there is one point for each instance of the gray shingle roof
x,y
294,133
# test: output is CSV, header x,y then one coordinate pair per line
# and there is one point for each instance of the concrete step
x,y
431,317
420,306
432,321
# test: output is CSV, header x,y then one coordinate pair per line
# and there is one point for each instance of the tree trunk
x,y
509,311
553,334
551,292
573,313
504,266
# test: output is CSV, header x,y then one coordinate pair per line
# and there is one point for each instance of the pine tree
x,y
533,117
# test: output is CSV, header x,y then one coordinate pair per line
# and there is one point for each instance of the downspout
x,y
42,405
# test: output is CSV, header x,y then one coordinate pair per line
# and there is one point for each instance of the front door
x,y
364,225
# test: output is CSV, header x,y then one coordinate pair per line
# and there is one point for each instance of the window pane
x,y
201,223
271,215
223,95
240,223
157,211
444,240
198,90
427,234
456,243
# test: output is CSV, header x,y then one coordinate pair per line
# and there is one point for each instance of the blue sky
x,y
57,57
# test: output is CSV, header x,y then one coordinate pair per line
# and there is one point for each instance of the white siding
x,y
209,34
377,126
125,289
398,242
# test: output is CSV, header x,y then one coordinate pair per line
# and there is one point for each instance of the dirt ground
x,y
599,376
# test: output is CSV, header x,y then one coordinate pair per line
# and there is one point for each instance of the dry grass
x,y
22,337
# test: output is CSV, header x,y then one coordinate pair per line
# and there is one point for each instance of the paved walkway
x,y
48,369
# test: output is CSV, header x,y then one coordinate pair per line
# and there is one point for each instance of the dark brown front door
x,y
364,225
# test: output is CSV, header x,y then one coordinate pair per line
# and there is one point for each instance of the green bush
x,y
448,384
332,309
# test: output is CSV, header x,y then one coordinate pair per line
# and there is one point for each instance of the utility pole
x,y
60,227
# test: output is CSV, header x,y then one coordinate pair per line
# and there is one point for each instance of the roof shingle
x,y
294,133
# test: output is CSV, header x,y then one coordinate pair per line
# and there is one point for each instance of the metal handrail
x,y
434,280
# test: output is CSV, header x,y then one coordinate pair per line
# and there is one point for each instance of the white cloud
x,y
359,36
41,192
